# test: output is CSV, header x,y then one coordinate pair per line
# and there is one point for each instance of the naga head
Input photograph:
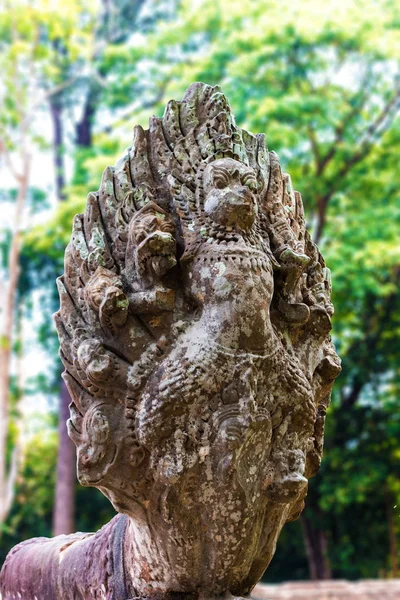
x,y
230,189
105,296
95,450
151,243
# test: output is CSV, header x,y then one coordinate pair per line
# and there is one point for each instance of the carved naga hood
x,y
194,330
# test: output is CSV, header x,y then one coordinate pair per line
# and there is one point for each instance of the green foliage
x,y
290,559
32,510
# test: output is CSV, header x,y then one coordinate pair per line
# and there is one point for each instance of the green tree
x,y
322,81
28,59
74,73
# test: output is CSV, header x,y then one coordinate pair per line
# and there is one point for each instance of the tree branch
x,y
8,161
314,148
377,127
341,128
364,351
127,114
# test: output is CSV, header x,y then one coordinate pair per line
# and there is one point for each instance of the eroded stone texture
x,y
194,329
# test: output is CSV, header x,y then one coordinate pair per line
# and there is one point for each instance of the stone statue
x,y
194,330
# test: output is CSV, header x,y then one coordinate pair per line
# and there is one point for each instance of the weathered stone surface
x,y
330,590
194,329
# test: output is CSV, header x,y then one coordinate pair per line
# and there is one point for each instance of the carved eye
x,y
220,183
97,427
220,177
167,227
97,297
140,236
152,224
147,226
251,182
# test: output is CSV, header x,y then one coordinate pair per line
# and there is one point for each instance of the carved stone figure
x,y
194,330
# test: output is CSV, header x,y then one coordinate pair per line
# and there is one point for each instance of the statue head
x,y
151,243
230,189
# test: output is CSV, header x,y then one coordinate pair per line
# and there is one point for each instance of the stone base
x,y
330,590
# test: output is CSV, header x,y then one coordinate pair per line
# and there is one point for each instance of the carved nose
x,y
244,191
241,197
161,241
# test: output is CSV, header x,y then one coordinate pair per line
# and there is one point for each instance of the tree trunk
x,y
84,128
7,476
64,501
64,504
58,146
392,534
316,548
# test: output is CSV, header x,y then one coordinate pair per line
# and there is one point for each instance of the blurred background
x,y
322,80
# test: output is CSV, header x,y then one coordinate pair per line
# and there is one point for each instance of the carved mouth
x,y
92,481
160,264
157,243
156,253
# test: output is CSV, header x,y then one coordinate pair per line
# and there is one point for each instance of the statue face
x,y
152,232
231,194
96,437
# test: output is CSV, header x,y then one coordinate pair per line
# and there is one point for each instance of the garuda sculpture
x,y
194,330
